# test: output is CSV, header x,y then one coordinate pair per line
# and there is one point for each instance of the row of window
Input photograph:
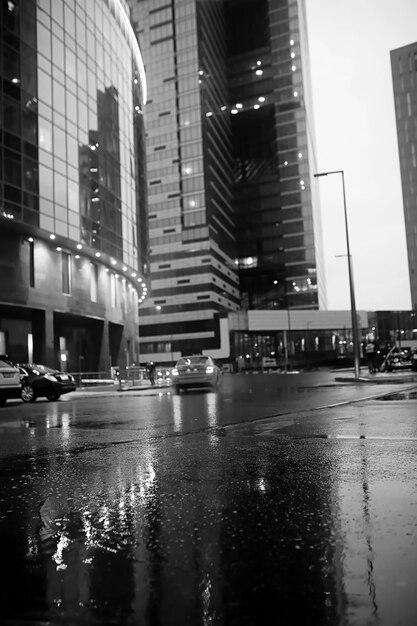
x,y
410,62
117,290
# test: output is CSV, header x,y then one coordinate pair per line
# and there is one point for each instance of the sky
x,y
355,129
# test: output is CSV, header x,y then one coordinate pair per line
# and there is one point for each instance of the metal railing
x,y
122,377
138,377
90,379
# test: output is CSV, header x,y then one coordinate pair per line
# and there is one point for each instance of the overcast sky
x,y
350,43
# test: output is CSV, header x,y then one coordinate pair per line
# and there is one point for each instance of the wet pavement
x,y
177,510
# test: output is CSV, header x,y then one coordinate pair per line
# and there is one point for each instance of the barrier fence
x,y
122,377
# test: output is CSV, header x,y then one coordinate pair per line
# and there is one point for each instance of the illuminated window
x,y
249,261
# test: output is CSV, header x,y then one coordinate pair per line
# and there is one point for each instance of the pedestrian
x,y
371,355
150,368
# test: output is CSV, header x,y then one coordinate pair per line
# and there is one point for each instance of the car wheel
x,y
28,393
177,389
53,396
2,400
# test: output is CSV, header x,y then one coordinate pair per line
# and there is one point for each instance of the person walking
x,y
371,354
151,372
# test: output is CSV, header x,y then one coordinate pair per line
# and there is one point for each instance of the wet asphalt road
x,y
255,505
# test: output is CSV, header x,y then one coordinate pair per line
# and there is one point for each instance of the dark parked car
x,y
397,359
414,361
41,381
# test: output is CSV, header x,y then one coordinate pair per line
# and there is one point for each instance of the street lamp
x,y
356,350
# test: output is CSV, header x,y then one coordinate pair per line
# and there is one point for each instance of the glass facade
x,y
73,170
191,226
230,160
279,245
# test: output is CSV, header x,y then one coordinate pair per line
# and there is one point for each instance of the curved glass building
x,y
73,218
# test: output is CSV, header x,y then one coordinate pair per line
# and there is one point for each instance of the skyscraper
x,y
404,76
230,155
73,236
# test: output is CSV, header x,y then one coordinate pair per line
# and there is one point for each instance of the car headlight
x,y
50,377
209,369
175,372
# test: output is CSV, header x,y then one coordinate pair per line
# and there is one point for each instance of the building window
x,y
66,272
30,347
2,342
408,97
93,281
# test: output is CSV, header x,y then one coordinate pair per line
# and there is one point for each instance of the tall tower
x,y
191,222
404,77
278,236
230,156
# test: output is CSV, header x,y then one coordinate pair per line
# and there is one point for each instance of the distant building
x,y
230,159
262,339
73,237
404,76
394,328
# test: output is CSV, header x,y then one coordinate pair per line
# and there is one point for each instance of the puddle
x,y
401,395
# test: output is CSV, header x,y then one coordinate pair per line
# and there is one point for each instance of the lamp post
x,y
356,350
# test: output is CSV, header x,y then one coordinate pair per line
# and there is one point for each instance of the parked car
x,y
41,381
195,371
397,359
9,380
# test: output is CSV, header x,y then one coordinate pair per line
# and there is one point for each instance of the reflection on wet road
x,y
157,513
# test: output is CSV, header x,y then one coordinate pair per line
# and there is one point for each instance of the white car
x,y
195,371
10,384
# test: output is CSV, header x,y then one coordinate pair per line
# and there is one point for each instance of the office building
x,y
404,77
230,156
73,237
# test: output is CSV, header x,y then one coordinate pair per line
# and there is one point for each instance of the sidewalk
x,y
381,378
340,376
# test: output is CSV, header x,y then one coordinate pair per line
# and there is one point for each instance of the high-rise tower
x,y
404,76
230,156
278,237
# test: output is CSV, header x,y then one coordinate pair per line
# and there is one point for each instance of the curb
x,y
377,381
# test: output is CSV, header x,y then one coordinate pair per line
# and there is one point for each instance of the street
x,y
278,500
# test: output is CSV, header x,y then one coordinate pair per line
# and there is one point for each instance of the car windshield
x,y
5,363
193,360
